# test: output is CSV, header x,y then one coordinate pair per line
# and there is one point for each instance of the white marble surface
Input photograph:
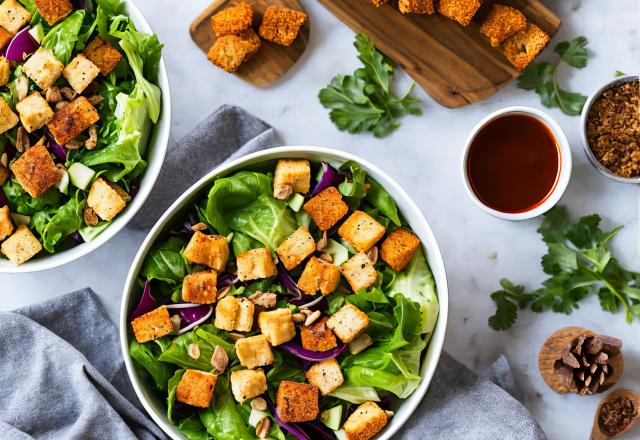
x,y
424,157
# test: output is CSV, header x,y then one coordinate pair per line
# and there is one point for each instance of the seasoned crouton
x,y
378,3
34,112
102,54
327,208
244,316
348,322
5,37
319,275
226,312
80,72
21,246
254,351
35,171
230,51
6,225
54,10
8,119
317,336
461,11
232,20
5,71
416,6
256,264
152,325
296,247
200,287
105,201
196,388
365,422
13,16
277,326
522,48
43,68
281,25
326,375
359,272
247,384
208,250
501,23
296,402
361,230
72,119
399,248
291,176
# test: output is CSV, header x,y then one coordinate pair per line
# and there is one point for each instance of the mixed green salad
x,y
291,301
78,99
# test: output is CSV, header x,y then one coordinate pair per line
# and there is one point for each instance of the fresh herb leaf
x,y
574,52
618,74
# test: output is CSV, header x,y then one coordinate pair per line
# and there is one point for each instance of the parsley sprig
x,y
578,264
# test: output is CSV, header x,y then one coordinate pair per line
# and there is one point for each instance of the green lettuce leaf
x,y
382,201
224,418
193,429
56,223
22,203
172,387
165,262
146,356
62,38
206,339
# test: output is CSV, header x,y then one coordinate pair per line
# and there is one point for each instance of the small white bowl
x,y
154,156
566,163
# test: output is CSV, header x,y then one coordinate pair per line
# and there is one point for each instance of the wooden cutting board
x,y
455,65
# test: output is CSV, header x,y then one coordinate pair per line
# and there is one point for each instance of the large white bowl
x,y
154,156
156,404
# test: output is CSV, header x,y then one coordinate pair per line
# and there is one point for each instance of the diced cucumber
x,y
338,252
332,417
349,246
296,202
303,219
257,415
37,32
20,219
340,435
80,175
89,233
63,184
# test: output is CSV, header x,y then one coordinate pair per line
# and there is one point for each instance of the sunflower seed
x,y
322,243
298,318
312,318
199,227
193,351
259,403
264,299
92,141
68,93
53,95
219,359
373,255
22,140
326,257
262,429
90,217
175,320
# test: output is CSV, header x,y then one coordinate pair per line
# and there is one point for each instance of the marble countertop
x,y
423,156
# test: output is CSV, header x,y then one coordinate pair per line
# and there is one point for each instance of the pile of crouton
x,y
521,41
236,41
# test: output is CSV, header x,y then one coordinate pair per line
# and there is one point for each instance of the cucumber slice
x,y
296,202
20,219
63,184
257,415
340,435
80,175
332,417
303,219
338,252
37,32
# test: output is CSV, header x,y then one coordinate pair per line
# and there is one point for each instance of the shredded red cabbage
x,y
21,46
330,177
75,235
58,150
227,280
315,356
193,314
317,430
147,302
287,281
319,303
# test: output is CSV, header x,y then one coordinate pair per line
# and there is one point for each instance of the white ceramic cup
x,y
566,163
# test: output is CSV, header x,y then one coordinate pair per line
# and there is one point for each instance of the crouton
x,y
43,68
208,250
226,311
13,16
501,23
254,351
102,54
35,171
54,10
281,25
326,375
255,264
152,325
196,388
34,112
366,421
6,225
5,71
4,174
361,230
327,208
348,322
319,275
80,72
296,402
230,51
8,119
72,119
359,272
378,3
522,48
21,246
105,201
399,248
247,384
291,176
416,6
296,247
277,326
200,287
5,37
244,315
461,11
317,336
232,20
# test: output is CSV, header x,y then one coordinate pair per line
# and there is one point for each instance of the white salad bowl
x,y
155,153
156,405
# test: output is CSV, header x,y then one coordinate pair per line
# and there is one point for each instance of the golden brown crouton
x,y
34,112
21,246
80,72
196,388
361,230
208,250
230,51
277,326
399,248
105,200
5,71
291,176
501,23
365,422
54,10
232,20
5,37
461,11
234,314
416,6
43,68
255,264
522,48
326,375
102,54
348,322
35,171
6,225
317,336
296,247
319,275
281,25
13,16
327,208
8,119
378,3
152,325
296,402
254,351
200,287
359,272
72,119
247,384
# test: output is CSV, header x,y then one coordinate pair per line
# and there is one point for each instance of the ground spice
x,y
613,129
616,415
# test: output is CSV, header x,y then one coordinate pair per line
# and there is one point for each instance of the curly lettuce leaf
x,y
22,203
56,223
62,38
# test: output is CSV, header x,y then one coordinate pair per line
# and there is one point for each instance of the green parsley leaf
x,y
618,74
574,52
